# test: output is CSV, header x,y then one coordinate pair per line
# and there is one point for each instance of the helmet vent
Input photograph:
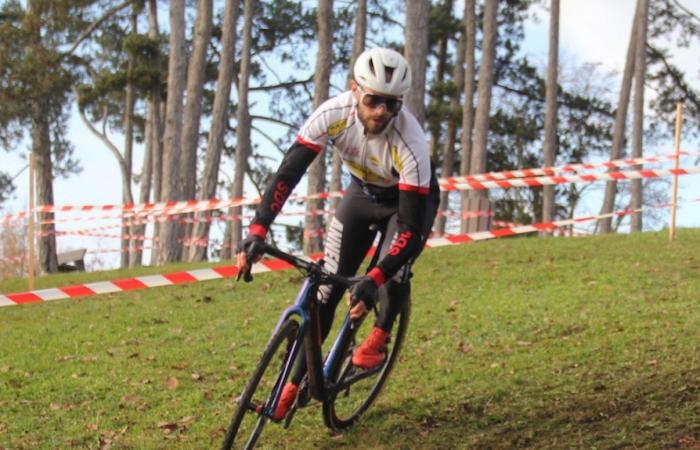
x,y
388,73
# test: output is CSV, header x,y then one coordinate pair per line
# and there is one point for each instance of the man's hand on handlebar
x,y
363,296
249,251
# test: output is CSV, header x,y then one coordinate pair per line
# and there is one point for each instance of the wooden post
x,y
30,231
674,195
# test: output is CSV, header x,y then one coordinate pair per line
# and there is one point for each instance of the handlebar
x,y
311,268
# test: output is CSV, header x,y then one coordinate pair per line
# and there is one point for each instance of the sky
x,y
594,31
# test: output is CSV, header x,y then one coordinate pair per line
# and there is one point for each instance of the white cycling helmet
x,y
384,71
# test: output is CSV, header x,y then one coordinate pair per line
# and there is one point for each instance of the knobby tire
x,y
281,340
338,420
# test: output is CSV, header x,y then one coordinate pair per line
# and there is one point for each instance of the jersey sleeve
x,y
314,133
310,141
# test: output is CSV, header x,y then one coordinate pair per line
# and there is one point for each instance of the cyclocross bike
x,y
345,390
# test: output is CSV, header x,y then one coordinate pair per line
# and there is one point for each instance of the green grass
x,y
538,343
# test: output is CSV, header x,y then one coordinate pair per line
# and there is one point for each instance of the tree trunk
x,y
605,225
358,46
157,105
145,180
638,108
193,106
219,121
416,51
448,149
41,149
481,123
242,130
313,239
169,249
152,156
468,109
437,99
129,101
551,143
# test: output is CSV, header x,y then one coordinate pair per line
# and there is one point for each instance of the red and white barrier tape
x,y
128,237
460,183
12,259
480,181
549,171
131,284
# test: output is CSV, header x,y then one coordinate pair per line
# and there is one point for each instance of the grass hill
x,y
539,343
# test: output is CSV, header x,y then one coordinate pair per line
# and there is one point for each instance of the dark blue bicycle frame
x,y
301,308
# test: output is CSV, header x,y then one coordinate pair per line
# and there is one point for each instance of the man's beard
x,y
371,125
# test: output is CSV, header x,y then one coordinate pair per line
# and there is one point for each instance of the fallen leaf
x,y
171,383
465,347
186,421
167,427
197,377
130,399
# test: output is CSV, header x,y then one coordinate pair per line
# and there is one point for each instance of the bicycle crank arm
x,y
352,379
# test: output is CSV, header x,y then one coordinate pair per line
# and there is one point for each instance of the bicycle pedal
x,y
257,408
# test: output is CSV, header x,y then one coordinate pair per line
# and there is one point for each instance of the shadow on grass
x,y
658,410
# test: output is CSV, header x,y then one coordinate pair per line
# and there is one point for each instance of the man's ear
x,y
354,89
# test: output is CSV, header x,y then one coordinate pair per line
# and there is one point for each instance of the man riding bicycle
x,y
393,189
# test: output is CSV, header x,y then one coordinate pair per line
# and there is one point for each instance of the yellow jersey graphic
x,y
397,159
364,174
337,127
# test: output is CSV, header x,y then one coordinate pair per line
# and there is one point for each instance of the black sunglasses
x,y
391,104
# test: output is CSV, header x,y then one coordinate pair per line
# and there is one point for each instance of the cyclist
x,y
393,188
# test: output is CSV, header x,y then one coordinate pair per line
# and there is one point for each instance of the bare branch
x,y
103,135
273,120
93,26
685,10
272,141
677,77
283,85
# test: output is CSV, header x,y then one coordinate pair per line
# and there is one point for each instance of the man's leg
x,y
348,240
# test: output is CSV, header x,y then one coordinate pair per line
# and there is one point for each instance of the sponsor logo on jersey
x,y
397,158
280,196
400,243
337,127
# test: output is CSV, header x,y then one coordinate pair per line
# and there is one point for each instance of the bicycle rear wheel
x,y
358,388
249,419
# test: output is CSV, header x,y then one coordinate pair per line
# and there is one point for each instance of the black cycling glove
x,y
365,290
253,247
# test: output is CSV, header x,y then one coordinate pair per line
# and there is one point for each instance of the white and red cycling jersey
x,y
392,166
398,155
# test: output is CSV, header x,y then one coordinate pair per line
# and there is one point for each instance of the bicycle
x,y
346,391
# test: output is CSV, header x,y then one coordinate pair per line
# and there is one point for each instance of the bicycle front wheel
x,y
249,420
358,388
